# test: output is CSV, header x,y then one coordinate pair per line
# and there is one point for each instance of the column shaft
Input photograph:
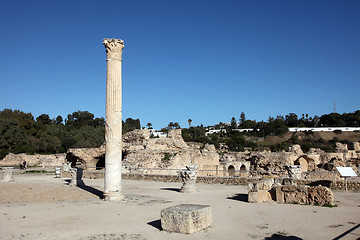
x,y
113,123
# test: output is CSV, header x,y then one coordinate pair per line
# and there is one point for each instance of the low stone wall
x,y
332,184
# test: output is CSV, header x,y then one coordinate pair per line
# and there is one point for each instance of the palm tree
x,y
189,120
149,125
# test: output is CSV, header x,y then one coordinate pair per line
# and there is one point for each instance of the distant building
x,y
324,129
211,131
155,133
299,129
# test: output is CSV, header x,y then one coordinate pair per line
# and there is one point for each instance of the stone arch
x,y
100,164
307,164
75,160
244,171
231,170
70,157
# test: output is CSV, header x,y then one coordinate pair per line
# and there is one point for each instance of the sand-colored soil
x,y
44,207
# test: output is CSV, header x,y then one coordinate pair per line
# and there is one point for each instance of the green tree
x,y
170,125
11,135
79,119
99,122
332,120
44,119
291,120
59,120
130,125
233,123
242,117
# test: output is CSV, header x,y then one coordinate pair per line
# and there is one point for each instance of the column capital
x,y
114,48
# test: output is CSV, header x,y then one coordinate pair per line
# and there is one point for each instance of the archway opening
x,y
100,164
231,170
243,171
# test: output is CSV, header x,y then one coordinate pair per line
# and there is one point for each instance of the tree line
x,y
237,141
21,133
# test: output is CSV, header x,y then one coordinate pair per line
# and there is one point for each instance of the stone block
x,y
289,181
298,196
288,188
279,194
263,185
259,197
186,218
320,195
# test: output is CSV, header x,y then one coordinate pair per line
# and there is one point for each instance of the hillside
x,y
315,139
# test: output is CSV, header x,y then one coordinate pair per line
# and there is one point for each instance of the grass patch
x,y
329,205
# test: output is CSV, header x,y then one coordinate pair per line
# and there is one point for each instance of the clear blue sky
x,y
204,60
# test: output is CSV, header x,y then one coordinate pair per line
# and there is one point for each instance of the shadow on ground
x,y
282,237
239,197
92,190
156,224
348,232
89,189
171,189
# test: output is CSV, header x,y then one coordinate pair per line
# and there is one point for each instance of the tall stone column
x,y
113,123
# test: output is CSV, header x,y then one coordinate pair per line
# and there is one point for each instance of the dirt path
x,y
44,207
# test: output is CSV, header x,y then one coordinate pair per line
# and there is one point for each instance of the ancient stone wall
x,y
51,160
332,184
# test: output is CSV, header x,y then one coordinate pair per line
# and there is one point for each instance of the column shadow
x,y
89,189
239,197
171,189
92,190
347,232
282,237
156,224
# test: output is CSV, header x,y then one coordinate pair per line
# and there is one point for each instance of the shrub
x,y
309,132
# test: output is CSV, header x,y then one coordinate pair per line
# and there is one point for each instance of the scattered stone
x,y
8,174
320,195
76,177
259,192
186,218
294,171
188,178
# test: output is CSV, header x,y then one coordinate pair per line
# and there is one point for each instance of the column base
x,y
113,197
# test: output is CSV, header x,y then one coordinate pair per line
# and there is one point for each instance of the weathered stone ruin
x,y
287,191
186,218
143,154
44,161
90,158
188,178
76,177
7,174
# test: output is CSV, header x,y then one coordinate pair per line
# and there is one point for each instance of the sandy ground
x,y
44,207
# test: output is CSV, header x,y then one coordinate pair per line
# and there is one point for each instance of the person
x,y
21,166
24,164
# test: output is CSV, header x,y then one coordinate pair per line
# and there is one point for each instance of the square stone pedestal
x,y
186,218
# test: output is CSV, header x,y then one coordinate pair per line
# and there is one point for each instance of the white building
x,y
325,129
